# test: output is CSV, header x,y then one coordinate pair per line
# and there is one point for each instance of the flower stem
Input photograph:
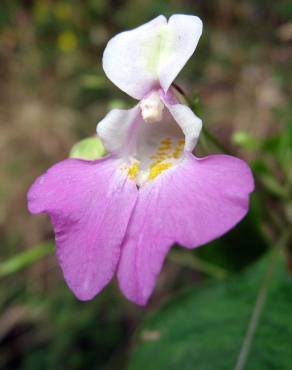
x,y
208,134
192,261
26,258
212,138
260,303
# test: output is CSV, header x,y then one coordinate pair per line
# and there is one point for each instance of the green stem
x,y
212,138
192,261
26,258
260,303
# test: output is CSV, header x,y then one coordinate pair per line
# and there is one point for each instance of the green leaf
x,y
245,140
93,82
89,149
203,329
26,258
273,186
191,260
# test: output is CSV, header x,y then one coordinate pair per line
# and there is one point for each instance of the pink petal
x,y
198,201
90,204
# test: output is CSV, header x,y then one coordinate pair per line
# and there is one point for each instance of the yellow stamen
x,y
176,154
164,147
133,171
158,169
166,141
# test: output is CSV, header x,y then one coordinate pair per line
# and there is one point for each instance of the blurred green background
x,y
53,92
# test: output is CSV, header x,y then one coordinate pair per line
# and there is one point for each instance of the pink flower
x,y
122,214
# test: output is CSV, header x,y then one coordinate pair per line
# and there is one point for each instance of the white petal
x,y
114,130
183,34
151,55
130,58
189,123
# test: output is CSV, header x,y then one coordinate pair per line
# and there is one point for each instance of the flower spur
x,y
121,214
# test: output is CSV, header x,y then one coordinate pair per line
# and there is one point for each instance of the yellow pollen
x,y
155,163
164,147
133,171
167,149
166,141
157,169
176,154
178,149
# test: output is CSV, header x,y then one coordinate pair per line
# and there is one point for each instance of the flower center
x,y
152,108
167,154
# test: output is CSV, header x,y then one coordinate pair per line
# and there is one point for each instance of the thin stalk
x,y
192,261
26,258
260,303
212,138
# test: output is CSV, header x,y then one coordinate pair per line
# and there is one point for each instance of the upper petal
x,y
130,58
151,55
198,201
90,204
183,34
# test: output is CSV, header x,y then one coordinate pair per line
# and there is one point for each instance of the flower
x,y
121,214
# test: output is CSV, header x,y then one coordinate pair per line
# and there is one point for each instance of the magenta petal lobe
x,y
89,204
195,203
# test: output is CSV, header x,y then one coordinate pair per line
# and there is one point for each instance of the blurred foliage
x,y
25,259
85,334
204,327
53,92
